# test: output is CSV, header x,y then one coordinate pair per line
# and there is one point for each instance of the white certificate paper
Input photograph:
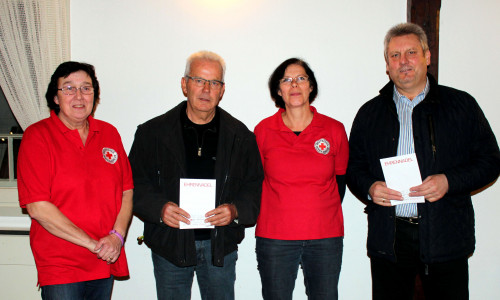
x,y
197,197
401,173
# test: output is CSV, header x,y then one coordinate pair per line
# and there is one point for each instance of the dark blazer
x,y
158,162
451,137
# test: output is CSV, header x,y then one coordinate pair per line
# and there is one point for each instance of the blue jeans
x,y
279,260
99,289
217,283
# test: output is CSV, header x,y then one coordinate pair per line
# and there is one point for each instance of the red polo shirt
x,y
85,182
300,199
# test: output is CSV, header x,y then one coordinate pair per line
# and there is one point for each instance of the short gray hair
x,y
405,29
206,55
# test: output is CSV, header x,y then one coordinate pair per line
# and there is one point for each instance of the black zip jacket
x,y
451,137
158,162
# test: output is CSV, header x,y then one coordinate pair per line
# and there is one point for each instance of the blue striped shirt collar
x,y
398,97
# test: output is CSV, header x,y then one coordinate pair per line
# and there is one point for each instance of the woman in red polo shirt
x,y
75,180
305,155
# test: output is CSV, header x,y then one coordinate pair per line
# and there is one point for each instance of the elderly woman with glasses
x,y
75,181
305,155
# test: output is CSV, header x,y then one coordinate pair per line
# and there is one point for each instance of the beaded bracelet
x,y
118,235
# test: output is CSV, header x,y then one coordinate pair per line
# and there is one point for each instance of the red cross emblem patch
x,y
109,155
322,146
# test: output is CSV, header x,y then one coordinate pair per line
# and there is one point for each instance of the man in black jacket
x,y
457,154
196,140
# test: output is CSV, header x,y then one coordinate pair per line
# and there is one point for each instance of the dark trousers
x,y
279,260
99,289
448,280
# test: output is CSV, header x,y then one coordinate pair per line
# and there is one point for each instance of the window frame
x,y
11,181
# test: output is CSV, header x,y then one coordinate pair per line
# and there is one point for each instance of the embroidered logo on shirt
x,y
109,155
322,146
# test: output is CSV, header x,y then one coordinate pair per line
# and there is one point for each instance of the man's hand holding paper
x,y
222,215
433,188
382,195
402,174
172,215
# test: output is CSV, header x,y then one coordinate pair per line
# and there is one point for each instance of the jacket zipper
x,y
394,240
227,173
219,200
432,136
158,167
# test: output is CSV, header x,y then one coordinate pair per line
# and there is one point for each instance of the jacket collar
x,y
432,96
170,123
172,118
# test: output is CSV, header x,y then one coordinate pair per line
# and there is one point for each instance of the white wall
x,y
139,49
468,39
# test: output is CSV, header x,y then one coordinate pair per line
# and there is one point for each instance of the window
x,y
34,40
10,140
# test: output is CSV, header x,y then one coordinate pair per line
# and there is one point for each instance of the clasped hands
x,y
108,248
224,214
432,189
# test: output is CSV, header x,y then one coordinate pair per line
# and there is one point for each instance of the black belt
x,y
411,220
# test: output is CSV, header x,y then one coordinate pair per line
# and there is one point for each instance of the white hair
x,y
207,55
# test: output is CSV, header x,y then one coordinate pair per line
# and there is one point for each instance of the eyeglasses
x,y
299,79
214,84
71,90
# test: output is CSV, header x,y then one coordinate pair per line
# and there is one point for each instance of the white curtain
x,y
34,40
